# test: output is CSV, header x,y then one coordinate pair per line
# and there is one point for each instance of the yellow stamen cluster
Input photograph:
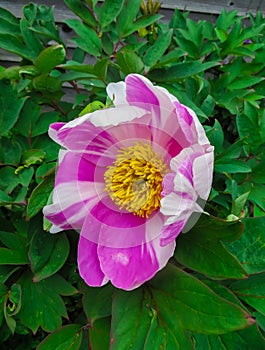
x,y
134,181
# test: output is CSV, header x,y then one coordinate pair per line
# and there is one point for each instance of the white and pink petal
x,y
88,263
128,268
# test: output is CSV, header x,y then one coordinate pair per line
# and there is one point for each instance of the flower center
x,y
134,181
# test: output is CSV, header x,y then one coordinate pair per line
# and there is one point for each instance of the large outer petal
x,y
129,249
128,268
88,263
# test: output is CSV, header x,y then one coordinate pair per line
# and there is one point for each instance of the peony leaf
x,y
39,196
49,58
47,254
16,252
81,10
42,305
3,296
10,106
99,334
180,71
109,11
87,39
129,62
231,341
201,249
160,315
101,306
127,15
191,301
252,291
250,248
67,337
156,51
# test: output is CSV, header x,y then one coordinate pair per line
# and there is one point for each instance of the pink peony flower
x,y
129,177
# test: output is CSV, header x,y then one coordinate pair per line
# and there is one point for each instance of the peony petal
x,y
71,203
53,130
74,167
190,125
128,268
117,93
203,170
183,162
140,92
119,228
177,205
170,232
115,116
88,263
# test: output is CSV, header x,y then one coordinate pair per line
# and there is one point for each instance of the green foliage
x,y
213,288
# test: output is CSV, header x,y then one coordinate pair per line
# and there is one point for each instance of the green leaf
x,y
17,72
30,38
82,11
49,58
232,152
10,106
12,306
42,305
252,291
155,52
131,319
50,148
244,82
109,11
102,302
3,293
140,23
65,338
12,44
233,166
180,71
246,339
14,300
215,135
88,39
260,319
39,196
99,335
129,62
43,122
16,252
180,296
46,83
159,315
201,248
250,248
92,107
127,15
7,25
33,156
47,254
28,117
250,126
239,203
11,152
5,272
9,17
